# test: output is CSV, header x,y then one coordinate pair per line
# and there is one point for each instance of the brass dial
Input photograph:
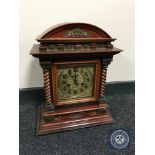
x,y
75,82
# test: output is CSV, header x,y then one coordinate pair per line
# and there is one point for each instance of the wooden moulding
x,y
61,120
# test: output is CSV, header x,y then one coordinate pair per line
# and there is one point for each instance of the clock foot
x,y
61,121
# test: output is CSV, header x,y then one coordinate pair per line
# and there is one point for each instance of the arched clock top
x,y
72,32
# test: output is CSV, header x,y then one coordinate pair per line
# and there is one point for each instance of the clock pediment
x,y
74,39
72,32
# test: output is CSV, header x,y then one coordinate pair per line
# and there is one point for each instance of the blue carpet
x,y
86,141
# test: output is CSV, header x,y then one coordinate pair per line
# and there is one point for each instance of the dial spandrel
x,y
75,82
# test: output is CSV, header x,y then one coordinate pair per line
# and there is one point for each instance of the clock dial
x,y
75,82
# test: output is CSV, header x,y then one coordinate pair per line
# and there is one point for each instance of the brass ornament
x,y
77,32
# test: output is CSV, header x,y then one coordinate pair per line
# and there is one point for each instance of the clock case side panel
x,y
82,100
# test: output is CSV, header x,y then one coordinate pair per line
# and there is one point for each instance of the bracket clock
x,y
74,58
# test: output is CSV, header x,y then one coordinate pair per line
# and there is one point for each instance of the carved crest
x,y
77,32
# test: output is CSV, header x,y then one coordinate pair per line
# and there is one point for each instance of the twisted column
x,y
104,66
47,90
103,80
46,66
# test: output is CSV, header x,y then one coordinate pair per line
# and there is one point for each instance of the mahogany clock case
x,y
73,45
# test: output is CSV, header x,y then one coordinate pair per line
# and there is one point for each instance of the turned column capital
x,y
106,61
45,64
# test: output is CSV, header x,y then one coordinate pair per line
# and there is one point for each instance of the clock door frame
x,y
95,96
